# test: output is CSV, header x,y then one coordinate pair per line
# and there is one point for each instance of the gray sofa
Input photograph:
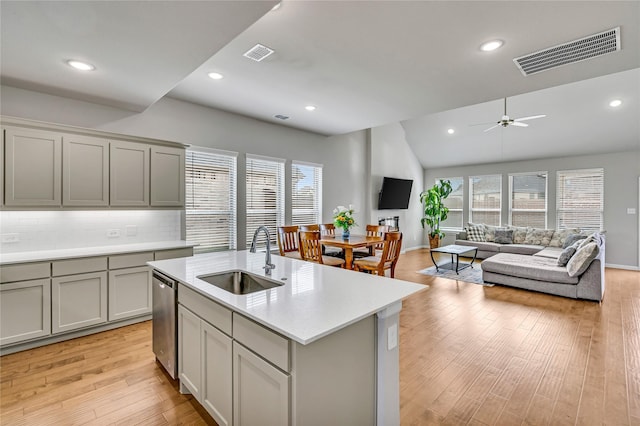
x,y
490,248
540,272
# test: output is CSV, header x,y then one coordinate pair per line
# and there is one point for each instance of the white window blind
x,y
485,197
306,193
454,203
265,196
528,199
580,199
210,200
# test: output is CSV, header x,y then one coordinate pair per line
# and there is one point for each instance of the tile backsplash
x,y
48,230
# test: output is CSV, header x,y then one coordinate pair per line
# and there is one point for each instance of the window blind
x,y
306,193
580,199
265,196
210,211
454,202
485,194
528,199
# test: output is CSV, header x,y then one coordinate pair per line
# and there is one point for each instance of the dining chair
x,y
288,241
388,259
371,231
330,229
312,227
327,229
311,249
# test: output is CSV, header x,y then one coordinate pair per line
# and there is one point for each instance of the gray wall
x,y
344,157
621,171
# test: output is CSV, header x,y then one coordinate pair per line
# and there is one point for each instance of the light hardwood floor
x,y
468,355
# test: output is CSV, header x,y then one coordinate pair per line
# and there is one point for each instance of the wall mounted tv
x,y
395,193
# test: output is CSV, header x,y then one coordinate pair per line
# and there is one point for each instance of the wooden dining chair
x,y
388,259
288,241
327,229
312,227
330,230
371,231
311,249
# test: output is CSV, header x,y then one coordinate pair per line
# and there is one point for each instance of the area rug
x,y
469,275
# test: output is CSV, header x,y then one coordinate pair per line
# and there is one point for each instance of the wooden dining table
x,y
348,244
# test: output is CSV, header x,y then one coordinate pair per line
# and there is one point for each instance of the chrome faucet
x,y
268,266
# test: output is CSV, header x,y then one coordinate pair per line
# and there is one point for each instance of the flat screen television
x,y
395,193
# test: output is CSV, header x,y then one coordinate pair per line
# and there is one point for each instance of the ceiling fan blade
x,y
531,117
518,124
492,127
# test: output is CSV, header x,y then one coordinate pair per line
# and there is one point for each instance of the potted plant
x,y
434,210
343,218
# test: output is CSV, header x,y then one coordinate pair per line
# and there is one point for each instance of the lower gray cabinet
x,y
129,292
189,351
25,310
78,301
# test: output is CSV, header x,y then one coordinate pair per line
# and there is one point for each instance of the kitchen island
x,y
322,348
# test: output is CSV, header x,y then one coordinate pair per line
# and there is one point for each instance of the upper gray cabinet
x,y
129,174
167,176
85,165
33,167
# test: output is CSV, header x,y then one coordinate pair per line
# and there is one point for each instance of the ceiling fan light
x,y
491,45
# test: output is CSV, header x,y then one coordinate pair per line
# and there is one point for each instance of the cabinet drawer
x,y
215,314
130,260
174,253
24,271
79,266
268,344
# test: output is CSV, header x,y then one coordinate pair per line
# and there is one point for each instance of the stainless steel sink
x,y
240,282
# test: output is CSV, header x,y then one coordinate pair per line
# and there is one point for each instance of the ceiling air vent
x,y
574,51
258,52
281,117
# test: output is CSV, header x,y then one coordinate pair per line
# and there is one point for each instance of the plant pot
x,y
345,234
434,242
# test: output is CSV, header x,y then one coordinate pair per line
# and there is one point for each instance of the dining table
x,y
348,244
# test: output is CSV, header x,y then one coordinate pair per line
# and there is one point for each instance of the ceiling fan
x,y
506,121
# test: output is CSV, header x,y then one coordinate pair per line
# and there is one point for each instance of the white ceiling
x,y
362,63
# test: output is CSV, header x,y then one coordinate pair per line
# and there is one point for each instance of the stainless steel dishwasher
x,y
165,345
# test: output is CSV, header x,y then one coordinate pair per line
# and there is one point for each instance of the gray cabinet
x,y
129,174
25,310
78,301
33,167
129,292
189,351
85,165
167,176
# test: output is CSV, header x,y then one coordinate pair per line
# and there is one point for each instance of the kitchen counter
x,y
315,300
74,253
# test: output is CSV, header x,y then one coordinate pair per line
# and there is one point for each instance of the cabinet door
x,y
33,167
167,176
217,359
78,301
189,351
85,165
129,174
260,391
25,310
129,292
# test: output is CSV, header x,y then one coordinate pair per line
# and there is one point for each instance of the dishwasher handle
x,y
163,280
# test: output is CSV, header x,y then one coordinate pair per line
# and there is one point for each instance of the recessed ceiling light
x,y
216,75
615,103
451,131
276,7
79,65
491,45
310,108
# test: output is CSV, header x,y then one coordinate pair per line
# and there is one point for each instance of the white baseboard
x,y
413,248
627,267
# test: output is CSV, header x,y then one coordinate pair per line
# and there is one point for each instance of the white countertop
x,y
315,300
46,255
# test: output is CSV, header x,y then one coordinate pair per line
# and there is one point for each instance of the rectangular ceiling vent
x,y
574,51
258,52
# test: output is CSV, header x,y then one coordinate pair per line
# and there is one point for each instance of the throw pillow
x,y
560,236
504,236
590,239
567,253
572,238
582,259
519,234
538,237
490,233
475,232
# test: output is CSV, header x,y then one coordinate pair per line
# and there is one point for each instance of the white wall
x,y
621,171
392,156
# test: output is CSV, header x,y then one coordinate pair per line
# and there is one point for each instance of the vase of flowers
x,y
343,219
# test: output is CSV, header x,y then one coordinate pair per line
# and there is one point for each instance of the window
x,y
210,211
528,199
580,199
265,196
485,193
454,203
306,193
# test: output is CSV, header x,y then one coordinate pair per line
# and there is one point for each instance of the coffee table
x,y
455,251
